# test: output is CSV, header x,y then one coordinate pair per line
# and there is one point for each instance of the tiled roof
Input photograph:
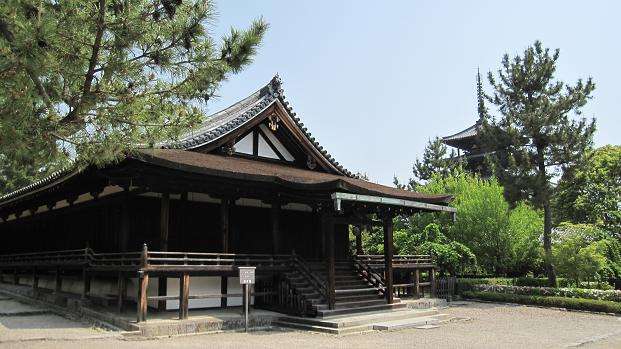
x,y
216,126
277,174
467,133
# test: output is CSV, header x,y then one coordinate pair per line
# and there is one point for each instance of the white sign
x,y
246,275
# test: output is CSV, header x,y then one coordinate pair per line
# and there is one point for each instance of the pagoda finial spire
x,y
481,109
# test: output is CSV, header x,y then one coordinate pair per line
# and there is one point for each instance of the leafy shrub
x,y
539,282
608,295
558,302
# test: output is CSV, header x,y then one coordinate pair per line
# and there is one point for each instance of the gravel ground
x,y
487,326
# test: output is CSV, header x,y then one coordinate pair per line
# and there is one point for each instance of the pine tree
x,y
87,80
534,133
434,161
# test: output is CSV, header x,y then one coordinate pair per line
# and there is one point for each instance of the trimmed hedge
x,y
539,282
558,302
610,295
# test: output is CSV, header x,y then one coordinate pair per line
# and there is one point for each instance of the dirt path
x,y
488,326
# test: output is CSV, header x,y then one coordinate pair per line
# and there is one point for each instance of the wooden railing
x,y
370,275
399,261
143,260
318,284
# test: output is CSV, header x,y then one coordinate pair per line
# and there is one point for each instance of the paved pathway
x,y
487,326
23,324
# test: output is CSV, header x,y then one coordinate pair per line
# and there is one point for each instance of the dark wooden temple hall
x,y
167,228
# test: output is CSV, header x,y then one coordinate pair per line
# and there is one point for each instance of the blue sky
x,y
373,81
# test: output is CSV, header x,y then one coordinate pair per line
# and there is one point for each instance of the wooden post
x,y
329,233
86,284
143,285
225,211
121,291
275,222
359,240
417,283
432,279
388,255
125,217
35,281
164,228
184,294
58,282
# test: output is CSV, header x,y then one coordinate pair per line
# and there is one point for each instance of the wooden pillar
x,y
275,222
35,281
86,284
417,283
432,280
388,255
329,233
359,240
58,284
125,222
184,294
164,228
143,285
121,291
225,212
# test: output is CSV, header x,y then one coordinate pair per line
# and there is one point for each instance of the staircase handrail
x,y
369,274
319,286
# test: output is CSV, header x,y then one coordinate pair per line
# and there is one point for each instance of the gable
x,y
281,136
261,142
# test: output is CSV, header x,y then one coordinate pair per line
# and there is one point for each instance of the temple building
x,y
249,187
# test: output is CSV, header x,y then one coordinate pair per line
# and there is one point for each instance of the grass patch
x,y
557,302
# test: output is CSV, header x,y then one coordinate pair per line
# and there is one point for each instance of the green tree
x,y
590,192
434,161
87,79
525,228
534,135
482,217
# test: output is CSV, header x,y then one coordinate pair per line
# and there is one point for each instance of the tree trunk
x,y
544,197
547,243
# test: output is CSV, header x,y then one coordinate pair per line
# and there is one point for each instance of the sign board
x,y
246,275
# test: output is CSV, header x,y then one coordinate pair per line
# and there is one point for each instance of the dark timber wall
x,y
193,226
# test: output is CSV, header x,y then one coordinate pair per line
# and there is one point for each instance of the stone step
x,y
345,311
352,298
322,329
353,323
394,325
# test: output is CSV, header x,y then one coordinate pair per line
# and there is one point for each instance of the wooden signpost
x,y
246,278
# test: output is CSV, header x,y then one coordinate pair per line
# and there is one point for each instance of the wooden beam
x,y
339,197
388,255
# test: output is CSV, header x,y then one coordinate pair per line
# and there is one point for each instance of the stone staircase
x,y
353,293
391,320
